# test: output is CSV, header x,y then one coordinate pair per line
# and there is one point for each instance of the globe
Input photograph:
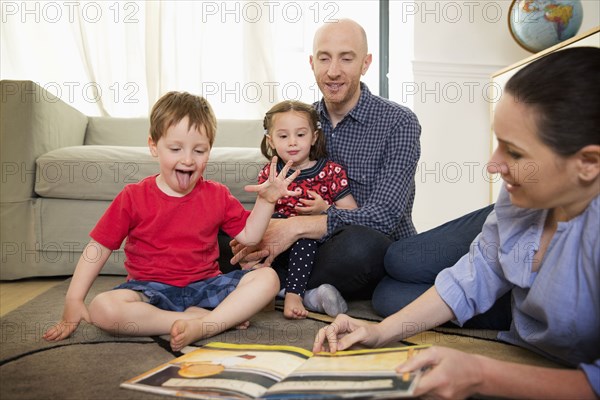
x,y
539,24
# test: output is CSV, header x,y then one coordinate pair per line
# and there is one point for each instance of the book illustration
x,y
202,369
222,370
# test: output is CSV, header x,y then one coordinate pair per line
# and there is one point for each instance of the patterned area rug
x,y
91,364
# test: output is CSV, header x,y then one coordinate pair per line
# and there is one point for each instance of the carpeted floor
x,y
91,364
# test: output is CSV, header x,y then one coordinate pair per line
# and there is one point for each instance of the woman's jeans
x,y
413,263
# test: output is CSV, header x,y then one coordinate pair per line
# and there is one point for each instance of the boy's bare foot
x,y
181,334
293,307
187,331
243,325
197,312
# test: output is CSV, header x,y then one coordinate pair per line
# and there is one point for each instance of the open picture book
x,y
246,371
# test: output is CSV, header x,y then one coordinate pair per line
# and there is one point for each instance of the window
x,y
117,57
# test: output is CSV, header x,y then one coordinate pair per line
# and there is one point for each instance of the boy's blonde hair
x,y
172,107
317,151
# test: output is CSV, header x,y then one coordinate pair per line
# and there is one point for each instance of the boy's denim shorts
x,y
207,293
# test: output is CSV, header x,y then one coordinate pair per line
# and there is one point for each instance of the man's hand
x,y
278,238
246,256
345,332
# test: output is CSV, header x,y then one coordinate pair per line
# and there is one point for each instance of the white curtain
x,y
117,58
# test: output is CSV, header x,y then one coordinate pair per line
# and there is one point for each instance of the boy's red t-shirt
x,y
172,240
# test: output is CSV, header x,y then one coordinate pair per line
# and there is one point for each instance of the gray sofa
x,y
61,169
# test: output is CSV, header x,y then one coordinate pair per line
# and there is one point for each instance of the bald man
x,y
340,57
372,251
378,142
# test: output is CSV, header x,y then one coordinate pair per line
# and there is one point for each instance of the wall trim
x,y
455,70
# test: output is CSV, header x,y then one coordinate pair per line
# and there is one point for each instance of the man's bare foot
x,y
293,307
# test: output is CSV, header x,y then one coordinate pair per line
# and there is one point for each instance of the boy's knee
x,y
266,277
103,310
270,275
98,303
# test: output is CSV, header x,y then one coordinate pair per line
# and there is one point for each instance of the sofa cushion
x,y
117,131
239,133
91,172
236,167
101,172
134,132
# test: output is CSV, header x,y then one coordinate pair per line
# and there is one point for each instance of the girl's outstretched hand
x,y
276,186
74,312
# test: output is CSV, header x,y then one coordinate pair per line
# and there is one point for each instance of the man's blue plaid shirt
x,y
378,144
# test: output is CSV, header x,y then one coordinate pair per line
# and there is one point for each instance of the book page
x,y
222,370
351,374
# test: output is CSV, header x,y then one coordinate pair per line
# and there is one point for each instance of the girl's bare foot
x,y
293,307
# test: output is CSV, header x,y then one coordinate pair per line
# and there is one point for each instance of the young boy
x,y
171,222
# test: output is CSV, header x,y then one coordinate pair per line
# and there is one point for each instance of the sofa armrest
x,y
32,122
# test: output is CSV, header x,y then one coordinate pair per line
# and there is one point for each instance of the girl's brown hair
x,y
317,151
171,108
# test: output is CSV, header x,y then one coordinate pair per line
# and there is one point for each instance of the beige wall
x,y
458,45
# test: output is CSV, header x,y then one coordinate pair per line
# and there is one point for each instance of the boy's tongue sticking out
x,y
183,178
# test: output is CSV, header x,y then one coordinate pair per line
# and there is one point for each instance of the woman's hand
x,y
345,332
451,374
74,312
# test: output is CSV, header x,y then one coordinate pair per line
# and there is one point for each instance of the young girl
x,y
292,133
540,244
